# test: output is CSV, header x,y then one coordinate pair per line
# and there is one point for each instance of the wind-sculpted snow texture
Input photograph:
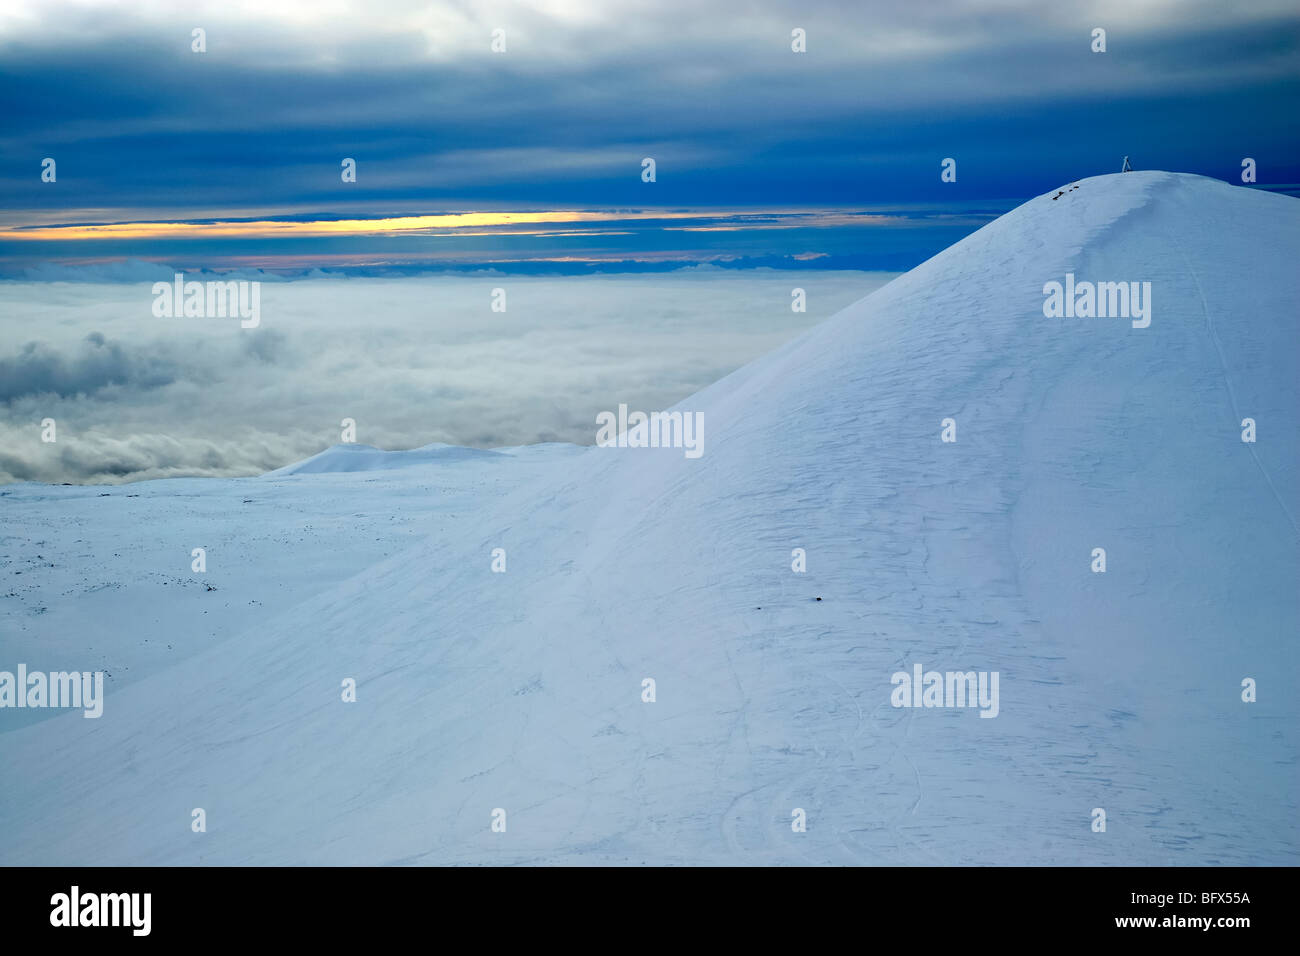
x,y
522,690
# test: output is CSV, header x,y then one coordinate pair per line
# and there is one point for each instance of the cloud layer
x,y
413,361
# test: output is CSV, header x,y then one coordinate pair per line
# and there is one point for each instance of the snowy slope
x,y
357,457
522,690
75,557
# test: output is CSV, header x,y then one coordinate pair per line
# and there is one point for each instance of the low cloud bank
x,y
411,361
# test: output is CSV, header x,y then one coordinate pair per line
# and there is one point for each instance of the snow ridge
x,y
522,690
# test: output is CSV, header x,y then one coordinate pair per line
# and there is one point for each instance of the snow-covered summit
x,y
525,690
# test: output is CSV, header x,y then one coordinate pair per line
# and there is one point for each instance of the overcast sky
x,y
142,128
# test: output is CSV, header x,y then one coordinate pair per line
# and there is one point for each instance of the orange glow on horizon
x,y
270,229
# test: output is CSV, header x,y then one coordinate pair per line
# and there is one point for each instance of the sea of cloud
x,y
412,361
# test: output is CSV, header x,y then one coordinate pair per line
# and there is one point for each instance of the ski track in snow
x,y
522,690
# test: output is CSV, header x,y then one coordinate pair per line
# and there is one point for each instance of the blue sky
x,y
824,159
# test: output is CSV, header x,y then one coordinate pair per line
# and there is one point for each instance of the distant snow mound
x,y
354,457
130,270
